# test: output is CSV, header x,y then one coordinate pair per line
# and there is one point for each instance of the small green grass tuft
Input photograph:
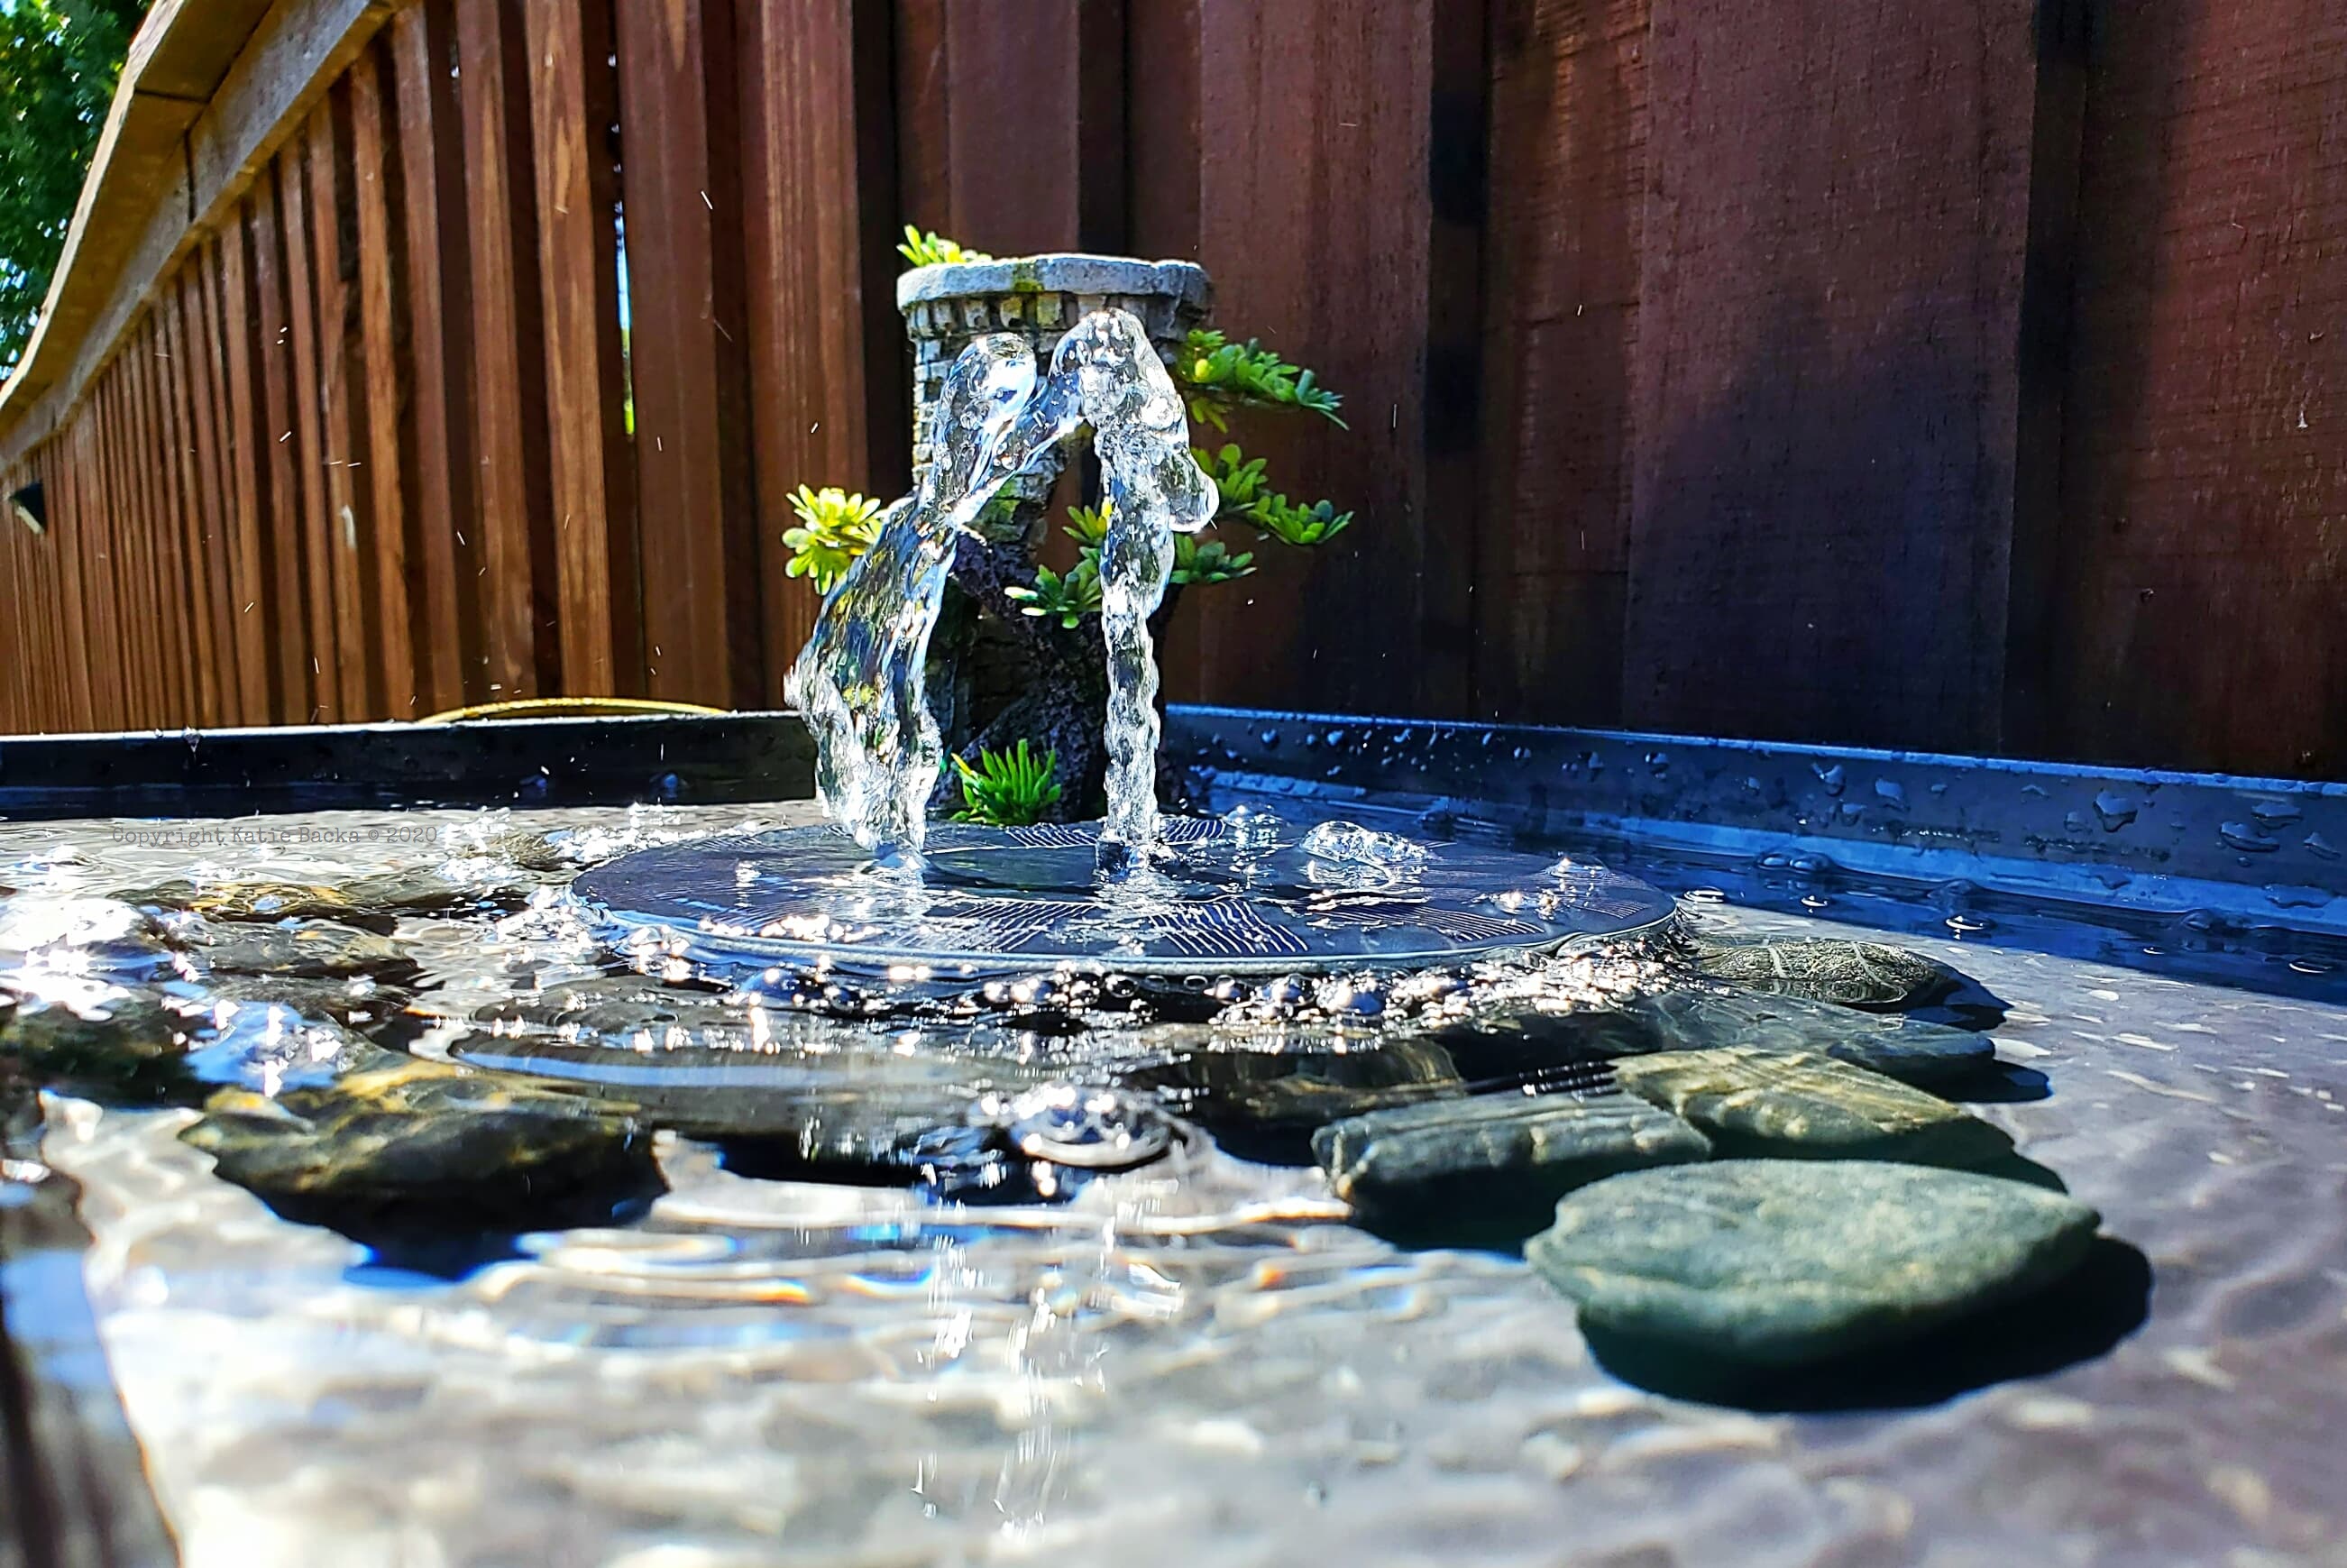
x,y
1009,789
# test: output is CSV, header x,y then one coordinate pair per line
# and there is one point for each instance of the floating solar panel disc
x,y
1236,897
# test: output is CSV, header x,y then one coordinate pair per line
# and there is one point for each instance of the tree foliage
x,y
59,62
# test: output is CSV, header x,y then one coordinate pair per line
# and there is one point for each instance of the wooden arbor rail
x,y
1963,376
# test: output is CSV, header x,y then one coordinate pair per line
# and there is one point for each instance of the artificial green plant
x,y
1217,377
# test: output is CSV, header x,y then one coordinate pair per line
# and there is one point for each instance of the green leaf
x,y
1224,373
1066,598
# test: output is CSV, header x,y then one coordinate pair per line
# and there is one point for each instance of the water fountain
x,y
881,890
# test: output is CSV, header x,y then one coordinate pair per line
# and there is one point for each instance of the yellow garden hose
x,y
565,707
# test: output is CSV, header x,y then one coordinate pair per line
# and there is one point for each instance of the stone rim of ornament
x,y
1057,273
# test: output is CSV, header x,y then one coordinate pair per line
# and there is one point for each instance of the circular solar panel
x,y
1249,896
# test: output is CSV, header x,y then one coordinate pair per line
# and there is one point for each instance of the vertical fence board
x,y
295,168
216,482
572,95
1568,190
1826,387
511,499
687,359
2203,559
349,538
383,484
243,461
191,507
165,660
23,630
1316,225
288,480
446,559
818,176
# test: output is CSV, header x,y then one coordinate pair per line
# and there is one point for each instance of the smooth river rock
x,y
1799,1105
1914,1051
423,1144
1457,1158
1830,969
1781,1261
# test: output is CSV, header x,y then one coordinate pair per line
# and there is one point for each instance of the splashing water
x,y
862,680
1156,489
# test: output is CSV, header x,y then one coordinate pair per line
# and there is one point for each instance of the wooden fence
x,y
1956,375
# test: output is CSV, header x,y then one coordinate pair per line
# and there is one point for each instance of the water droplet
x,y
1092,1129
1835,778
2245,836
2114,810
1890,793
1270,739
2273,813
2318,844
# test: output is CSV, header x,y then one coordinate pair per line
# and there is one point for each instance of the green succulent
x,y
1249,498
1217,375
1067,599
1009,789
1197,560
1222,372
834,528
932,249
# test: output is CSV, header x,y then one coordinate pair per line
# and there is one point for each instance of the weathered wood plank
x,y
383,374
342,406
215,481
295,168
148,538
289,481
245,466
573,98
829,395
960,69
511,494
2203,559
688,358
1315,225
192,502
439,497
1827,387
1561,319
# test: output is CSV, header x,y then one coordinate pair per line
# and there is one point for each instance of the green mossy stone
x,y
1448,1158
1914,1051
299,949
1803,1106
1779,1263
423,1143
1830,969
